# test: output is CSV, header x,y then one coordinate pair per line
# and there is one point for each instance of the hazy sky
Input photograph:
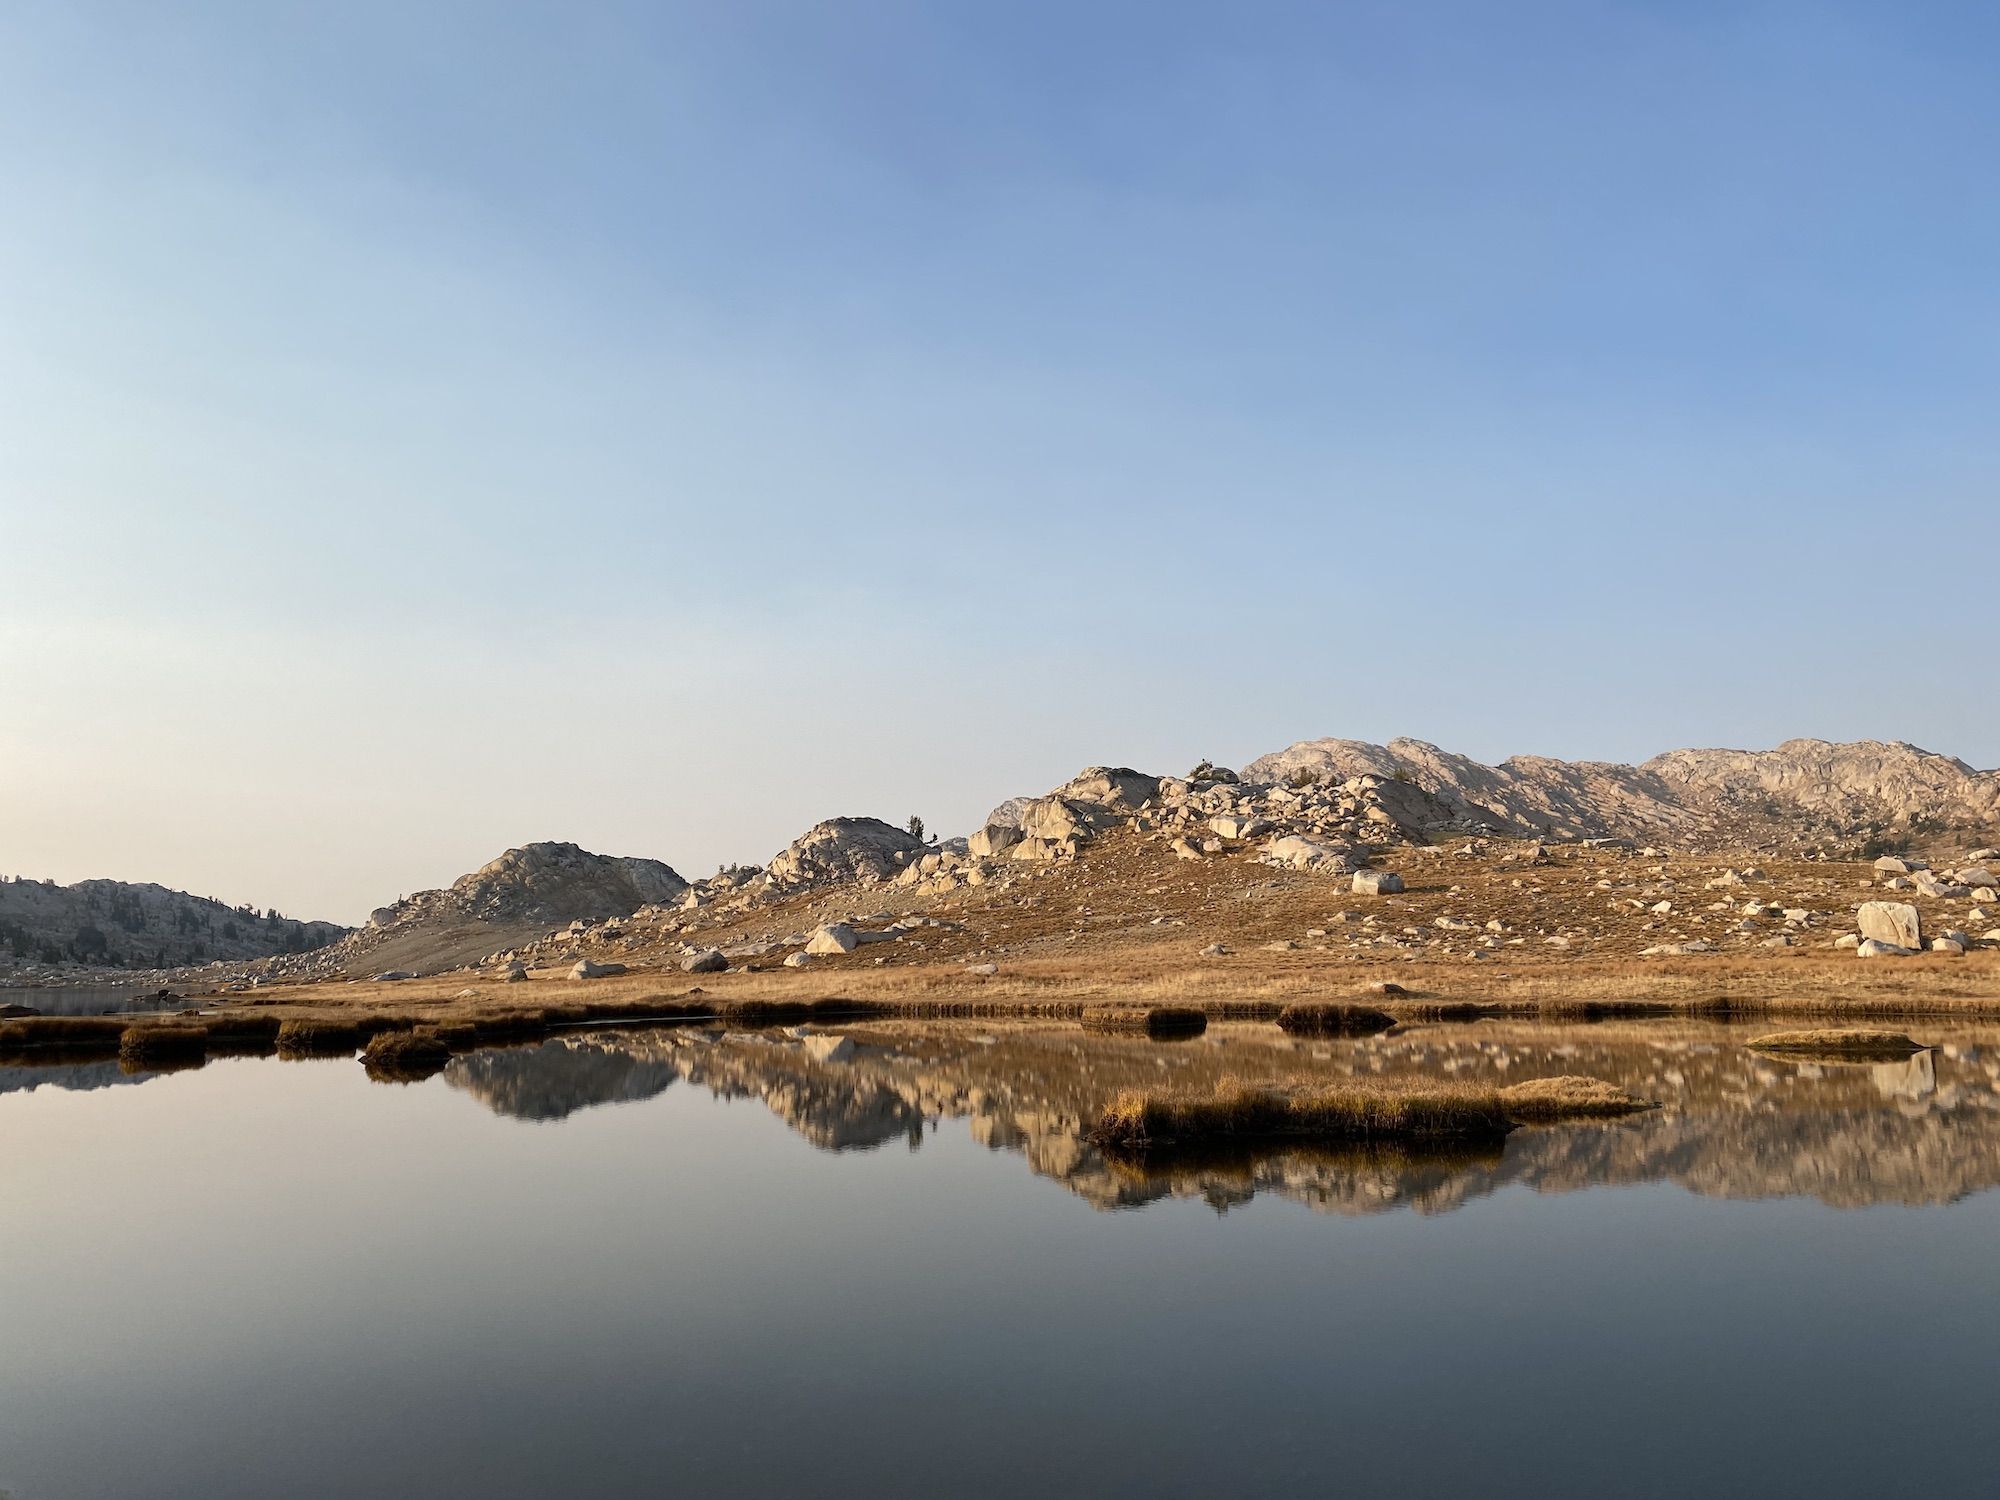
x,y
429,427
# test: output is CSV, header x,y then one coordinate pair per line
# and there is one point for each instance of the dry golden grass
x,y
1361,1113
1357,1113
1850,1041
62,1033
1543,1100
318,1038
406,1056
163,1041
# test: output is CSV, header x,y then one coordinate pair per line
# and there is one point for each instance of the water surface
x,y
676,1262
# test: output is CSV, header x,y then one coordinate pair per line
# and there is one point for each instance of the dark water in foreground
x,y
666,1264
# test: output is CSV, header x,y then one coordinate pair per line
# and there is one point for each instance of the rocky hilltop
x,y
1328,807
113,924
522,895
1803,791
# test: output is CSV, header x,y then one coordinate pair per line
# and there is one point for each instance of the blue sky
x,y
428,428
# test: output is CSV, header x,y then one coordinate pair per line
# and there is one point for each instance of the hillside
x,y
1804,791
113,924
1323,808
525,893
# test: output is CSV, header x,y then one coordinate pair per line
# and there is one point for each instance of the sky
x,y
430,428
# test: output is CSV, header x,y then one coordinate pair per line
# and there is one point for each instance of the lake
x,y
87,1000
682,1261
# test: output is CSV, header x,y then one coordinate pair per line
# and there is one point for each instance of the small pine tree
x,y
916,827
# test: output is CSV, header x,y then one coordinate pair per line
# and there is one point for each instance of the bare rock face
x,y
994,840
1119,790
1847,791
844,849
1523,796
1850,785
1892,922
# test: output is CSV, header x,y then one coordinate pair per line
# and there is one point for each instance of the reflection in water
x,y
80,1076
558,1078
1735,1124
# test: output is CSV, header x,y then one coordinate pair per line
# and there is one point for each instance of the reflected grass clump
x,y
77,1034
1601,1010
318,1038
754,1013
1541,1101
406,1056
1851,1042
1334,1018
156,1043
1158,1021
1358,1113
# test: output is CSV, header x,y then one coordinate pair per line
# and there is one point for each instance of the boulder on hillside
x,y
834,937
841,850
1377,883
1892,922
1296,853
708,961
1117,788
994,840
1059,820
591,969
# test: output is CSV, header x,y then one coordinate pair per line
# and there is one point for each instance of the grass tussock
x,y
1846,1042
63,1033
406,1056
1145,1020
1356,1113
163,1042
318,1038
1540,1101
1334,1018
1367,1114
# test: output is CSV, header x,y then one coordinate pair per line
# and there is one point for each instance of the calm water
x,y
87,1000
674,1263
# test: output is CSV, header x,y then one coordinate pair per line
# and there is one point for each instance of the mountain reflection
x,y
1735,1124
558,1078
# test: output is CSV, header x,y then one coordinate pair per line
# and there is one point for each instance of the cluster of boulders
x,y
1895,929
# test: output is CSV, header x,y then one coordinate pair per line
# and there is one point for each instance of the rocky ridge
x,y
1329,808
118,925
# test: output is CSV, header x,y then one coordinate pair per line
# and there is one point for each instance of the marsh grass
x,y
1143,1119
1408,1011
1157,1021
318,1038
1364,1114
152,1043
1601,1010
1334,1018
1850,1042
75,1034
406,1056
1541,1101
755,1013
